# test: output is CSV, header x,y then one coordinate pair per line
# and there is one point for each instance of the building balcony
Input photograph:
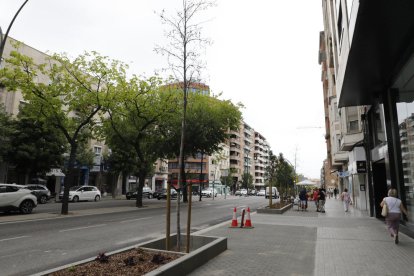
x,y
340,157
348,141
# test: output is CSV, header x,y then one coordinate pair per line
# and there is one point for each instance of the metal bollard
x,y
242,218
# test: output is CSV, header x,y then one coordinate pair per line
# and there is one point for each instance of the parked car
x,y
41,192
237,193
17,197
163,194
156,193
146,192
84,193
243,192
275,193
209,192
261,193
253,192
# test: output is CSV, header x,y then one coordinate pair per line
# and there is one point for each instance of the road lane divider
x,y
14,238
81,228
132,220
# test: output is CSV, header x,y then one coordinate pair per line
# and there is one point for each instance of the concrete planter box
x,y
267,210
202,249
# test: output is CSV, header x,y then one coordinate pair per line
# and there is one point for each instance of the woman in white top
x,y
395,207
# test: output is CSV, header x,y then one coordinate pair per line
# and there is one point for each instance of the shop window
x,y
405,114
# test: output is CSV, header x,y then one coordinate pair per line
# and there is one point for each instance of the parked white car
x,y
261,193
208,192
16,197
243,192
80,193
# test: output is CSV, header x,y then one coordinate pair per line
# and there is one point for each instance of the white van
x,y
275,193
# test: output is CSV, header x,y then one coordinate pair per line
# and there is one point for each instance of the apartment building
x,y
343,125
261,159
249,153
373,57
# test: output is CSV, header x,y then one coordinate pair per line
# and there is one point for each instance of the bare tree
x,y
183,54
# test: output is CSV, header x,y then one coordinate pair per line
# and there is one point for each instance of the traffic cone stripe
x,y
248,223
234,223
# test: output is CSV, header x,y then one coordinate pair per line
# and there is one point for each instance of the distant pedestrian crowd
x,y
317,195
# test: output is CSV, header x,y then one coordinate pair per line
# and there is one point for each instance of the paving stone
x,y
311,243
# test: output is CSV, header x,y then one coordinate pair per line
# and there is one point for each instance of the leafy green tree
x,y
137,116
208,123
228,180
285,175
121,161
36,146
279,174
69,97
247,181
6,131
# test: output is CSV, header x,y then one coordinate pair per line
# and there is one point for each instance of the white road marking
x,y
15,238
131,220
226,206
80,228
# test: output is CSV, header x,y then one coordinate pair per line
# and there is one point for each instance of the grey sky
x,y
264,54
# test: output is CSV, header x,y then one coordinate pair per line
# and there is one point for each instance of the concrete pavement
x,y
311,243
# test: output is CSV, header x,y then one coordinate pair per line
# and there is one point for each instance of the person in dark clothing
x,y
303,199
321,200
335,192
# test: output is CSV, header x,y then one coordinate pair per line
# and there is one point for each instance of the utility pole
x,y
4,38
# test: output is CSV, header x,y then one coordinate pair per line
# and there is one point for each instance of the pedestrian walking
x,y
303,199
395,207
321,200
335,192
315,198
346,199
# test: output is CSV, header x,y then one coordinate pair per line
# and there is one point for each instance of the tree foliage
x,y
135,128
36,146
67,94
208,122
6,131
280,173
247,181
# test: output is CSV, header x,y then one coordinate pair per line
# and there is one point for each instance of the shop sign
x,y
361,166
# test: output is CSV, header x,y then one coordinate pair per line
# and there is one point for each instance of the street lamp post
x,y
4,38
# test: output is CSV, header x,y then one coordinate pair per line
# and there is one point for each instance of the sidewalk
x,y
311,243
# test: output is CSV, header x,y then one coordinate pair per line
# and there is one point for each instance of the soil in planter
x,y
132,262
279,205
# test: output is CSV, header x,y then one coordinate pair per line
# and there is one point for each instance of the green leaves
x,y
207,123
6,130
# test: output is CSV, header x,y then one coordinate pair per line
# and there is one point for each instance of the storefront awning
x,y
382,42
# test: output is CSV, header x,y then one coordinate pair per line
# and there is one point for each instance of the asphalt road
x,y
35,245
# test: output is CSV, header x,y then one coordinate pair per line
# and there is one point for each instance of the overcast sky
x,y
264,55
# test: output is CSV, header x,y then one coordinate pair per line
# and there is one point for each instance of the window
x,y
339,23
97,150
3,189
352,119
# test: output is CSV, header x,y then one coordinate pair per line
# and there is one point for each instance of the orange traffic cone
x,y
234,220
248,223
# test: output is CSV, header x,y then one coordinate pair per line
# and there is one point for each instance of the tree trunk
x,y
184,184
69,178
124,182
141,182
26,178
